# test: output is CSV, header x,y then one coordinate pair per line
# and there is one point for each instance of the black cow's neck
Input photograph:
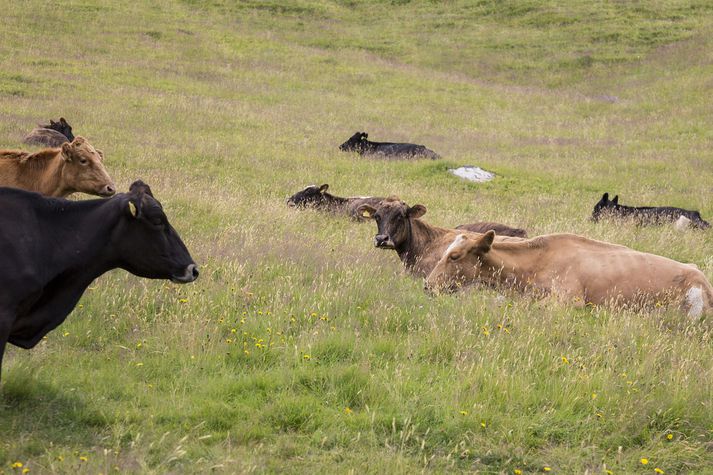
x,y
334,202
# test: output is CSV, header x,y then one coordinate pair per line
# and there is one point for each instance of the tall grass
x,y
301,348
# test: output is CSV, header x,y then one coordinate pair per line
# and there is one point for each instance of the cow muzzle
x,y
291,204
189,275
107,190
382,241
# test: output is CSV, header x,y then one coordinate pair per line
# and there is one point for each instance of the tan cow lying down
x,y
75,166
575,269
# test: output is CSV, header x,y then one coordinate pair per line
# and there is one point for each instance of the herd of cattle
x,y
51,248
572,268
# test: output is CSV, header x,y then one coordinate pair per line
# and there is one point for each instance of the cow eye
x,y
454,256
83,161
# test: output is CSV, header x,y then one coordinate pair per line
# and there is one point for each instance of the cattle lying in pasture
x,y
418,244
317,197
360,144
52,135
51,249
573,269
643,215
58,172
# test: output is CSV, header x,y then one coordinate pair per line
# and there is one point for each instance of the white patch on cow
x,y
694,299
456,242
682,224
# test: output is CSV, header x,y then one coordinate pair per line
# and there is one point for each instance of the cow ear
x,y
67,152
62,121
323,188
101,154
365,135
53,122
615,200
605,197
366,211
416,211
483,245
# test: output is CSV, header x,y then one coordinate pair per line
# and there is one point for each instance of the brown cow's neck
x,y
512,263
40,172
421,236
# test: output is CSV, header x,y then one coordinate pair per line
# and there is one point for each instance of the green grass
x,y
301,348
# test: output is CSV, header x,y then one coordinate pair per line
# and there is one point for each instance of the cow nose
x,y
380,240
193,271
109,190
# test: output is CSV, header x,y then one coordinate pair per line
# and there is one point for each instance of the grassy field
x,y
301,348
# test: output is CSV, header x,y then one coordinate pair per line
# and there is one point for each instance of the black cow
x,y
645,214
317,197
52,135
51,249
358,143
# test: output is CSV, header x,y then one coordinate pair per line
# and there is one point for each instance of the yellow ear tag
x,y
366,213
132,208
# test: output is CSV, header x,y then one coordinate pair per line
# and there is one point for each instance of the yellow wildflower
x,y
25,470
565,360
306,356
347,410
644,461
463,413
483,424
658,470
83,458
65,334
669,436
517,471
547,469
17,465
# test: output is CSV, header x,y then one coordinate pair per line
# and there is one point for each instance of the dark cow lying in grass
x,y
52,135
51,249
317,197
418,244
645,214
358,143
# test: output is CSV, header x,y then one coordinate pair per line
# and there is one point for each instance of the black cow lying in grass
x,y
358,143
645,214
317,197
52,135
51,249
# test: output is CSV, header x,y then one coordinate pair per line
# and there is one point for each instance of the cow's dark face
x,y
392,218
62,127
311,196
604,206
148,245
355,143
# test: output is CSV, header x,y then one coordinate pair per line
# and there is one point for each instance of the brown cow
x,y
418,244
75,166
317,197
573,269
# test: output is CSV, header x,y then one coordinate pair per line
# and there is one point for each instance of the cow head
x,y
313,195
392,219
461,263
83,169
147,244
604,206
62,127
356,143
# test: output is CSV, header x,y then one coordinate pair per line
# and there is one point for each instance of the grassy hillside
x,y
301,348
